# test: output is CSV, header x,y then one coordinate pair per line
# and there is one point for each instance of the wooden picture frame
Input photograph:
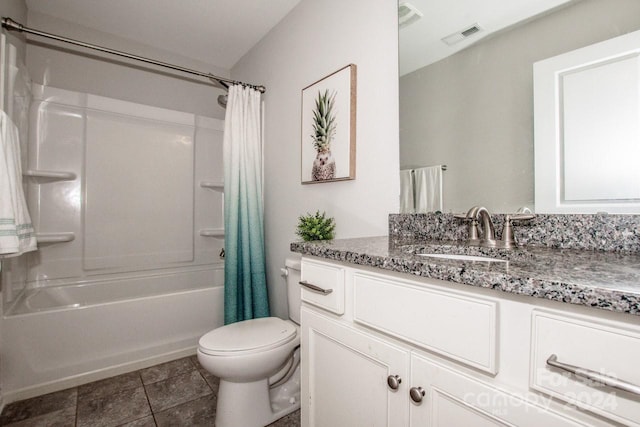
x,y
328,141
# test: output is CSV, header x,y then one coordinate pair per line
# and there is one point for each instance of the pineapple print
x,y
324,129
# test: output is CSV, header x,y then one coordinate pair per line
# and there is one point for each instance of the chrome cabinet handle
x,y
594,376
393,381
416,394
314,288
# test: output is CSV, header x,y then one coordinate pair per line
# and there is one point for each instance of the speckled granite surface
x,y
607,280
590,232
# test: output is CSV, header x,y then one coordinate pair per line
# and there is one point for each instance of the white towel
x,y
406,191
428,183
16,231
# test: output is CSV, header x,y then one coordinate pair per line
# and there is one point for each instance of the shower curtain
x,y
245,285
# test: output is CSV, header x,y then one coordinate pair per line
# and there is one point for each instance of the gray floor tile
x,y
166,370
61,418
199,412
291,420
40,405
110,385
194,360
213,381
113,410
176,390
147,421
182,393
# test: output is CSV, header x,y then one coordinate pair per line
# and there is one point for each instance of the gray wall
x,y
68,67
16,10
474,110
314,40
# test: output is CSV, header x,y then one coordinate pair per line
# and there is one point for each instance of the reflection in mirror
x,y
473,110
587,128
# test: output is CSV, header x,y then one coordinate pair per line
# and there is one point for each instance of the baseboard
x,y
88,377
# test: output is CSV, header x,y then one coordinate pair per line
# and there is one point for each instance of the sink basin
x,y
459,257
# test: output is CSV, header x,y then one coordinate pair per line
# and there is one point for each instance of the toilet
x,y
257,362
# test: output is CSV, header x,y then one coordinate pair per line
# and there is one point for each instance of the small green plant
x,y
316,227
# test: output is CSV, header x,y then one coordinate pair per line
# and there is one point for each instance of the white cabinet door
x,y
455,399
344,376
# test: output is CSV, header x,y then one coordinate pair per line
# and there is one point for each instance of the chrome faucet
x,y
488,231
480,215
473,216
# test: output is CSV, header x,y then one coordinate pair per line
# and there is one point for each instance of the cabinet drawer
x,y
609,348
328,281
453,399
449,323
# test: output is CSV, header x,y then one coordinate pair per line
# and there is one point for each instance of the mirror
x,y
471,106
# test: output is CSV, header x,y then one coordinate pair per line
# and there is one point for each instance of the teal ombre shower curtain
x,y
245,285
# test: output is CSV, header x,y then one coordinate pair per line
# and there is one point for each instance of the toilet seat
x,y
246,337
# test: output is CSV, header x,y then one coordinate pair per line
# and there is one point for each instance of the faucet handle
x,y
508,239
474,235
519,216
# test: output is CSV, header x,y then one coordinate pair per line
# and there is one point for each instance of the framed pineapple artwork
x,y
329,128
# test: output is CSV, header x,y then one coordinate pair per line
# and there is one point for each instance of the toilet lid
x,y
248,335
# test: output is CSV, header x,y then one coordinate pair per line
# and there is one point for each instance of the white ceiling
x,y
421,44
218,32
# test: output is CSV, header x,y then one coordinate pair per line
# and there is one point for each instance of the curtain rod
x,y
12,25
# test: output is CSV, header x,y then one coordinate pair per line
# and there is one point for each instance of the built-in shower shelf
x,y
50,175
212,232
214,185
55,237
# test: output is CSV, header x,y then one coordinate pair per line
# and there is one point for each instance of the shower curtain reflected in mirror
x,y
245,277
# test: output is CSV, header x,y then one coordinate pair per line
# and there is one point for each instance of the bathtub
x,y
63,336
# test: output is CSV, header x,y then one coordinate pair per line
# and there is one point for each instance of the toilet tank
x,y
293,288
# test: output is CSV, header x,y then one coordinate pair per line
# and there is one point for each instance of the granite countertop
x,y
606,280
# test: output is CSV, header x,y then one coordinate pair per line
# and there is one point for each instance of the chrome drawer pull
x,y
594,376
316,289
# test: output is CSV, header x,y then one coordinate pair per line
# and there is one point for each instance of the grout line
x,y
75,423
144,388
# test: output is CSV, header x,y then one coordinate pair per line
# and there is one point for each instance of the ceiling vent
x,y
407,14
458,36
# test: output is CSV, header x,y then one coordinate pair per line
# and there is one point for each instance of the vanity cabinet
x,y
404,351
454,399
347,373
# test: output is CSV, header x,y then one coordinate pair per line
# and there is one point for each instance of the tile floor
x,y
176,393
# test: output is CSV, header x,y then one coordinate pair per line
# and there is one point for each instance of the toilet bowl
x,y
257,362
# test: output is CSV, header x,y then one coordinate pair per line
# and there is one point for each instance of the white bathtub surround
x,y
127,275
16,230
245,282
